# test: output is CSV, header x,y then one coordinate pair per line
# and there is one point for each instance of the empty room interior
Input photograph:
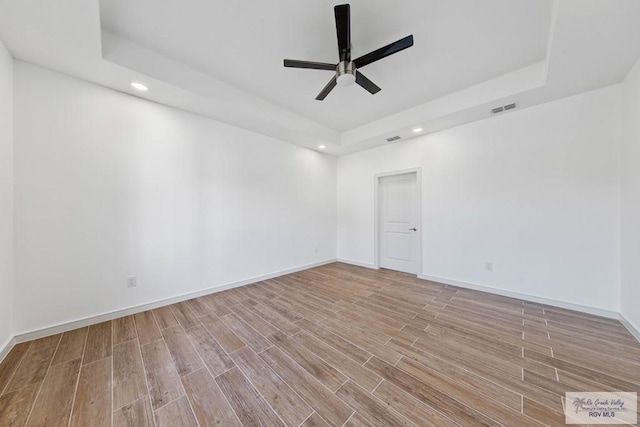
x,y
314,213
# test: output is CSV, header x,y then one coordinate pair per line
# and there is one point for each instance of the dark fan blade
x,y
343,31
383,52
328,88
309,64
366,83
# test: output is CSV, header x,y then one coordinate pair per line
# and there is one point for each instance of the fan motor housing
x,y
345,73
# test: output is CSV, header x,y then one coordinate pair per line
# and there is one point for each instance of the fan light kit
x,y
417,130
322,147
347,70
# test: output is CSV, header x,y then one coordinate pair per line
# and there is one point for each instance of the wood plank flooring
x,y
336,345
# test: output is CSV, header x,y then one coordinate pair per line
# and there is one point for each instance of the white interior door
x,y
399,213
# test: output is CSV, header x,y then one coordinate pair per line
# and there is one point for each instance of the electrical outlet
x,y
488,266
132,281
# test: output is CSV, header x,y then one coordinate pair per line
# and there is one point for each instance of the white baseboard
x,y
86,321
6,348
358,263
526,297
67,326
630,326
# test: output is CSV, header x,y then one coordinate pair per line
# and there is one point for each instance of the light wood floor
x,y
336,345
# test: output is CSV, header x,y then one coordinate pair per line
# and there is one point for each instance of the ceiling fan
x,y
347,70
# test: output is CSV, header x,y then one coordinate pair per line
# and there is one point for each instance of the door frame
x,y
376,213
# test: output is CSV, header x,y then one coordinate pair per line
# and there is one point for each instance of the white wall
x,y
630,197
6,196
108,186
535,192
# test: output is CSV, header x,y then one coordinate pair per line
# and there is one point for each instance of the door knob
x,y
413,229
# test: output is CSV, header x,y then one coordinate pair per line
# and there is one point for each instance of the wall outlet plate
x,y
132,281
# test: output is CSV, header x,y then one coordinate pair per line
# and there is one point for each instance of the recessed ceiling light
x,y
322,147
417,130
139,86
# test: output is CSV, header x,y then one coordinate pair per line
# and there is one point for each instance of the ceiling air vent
x,y
393,138
504,108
